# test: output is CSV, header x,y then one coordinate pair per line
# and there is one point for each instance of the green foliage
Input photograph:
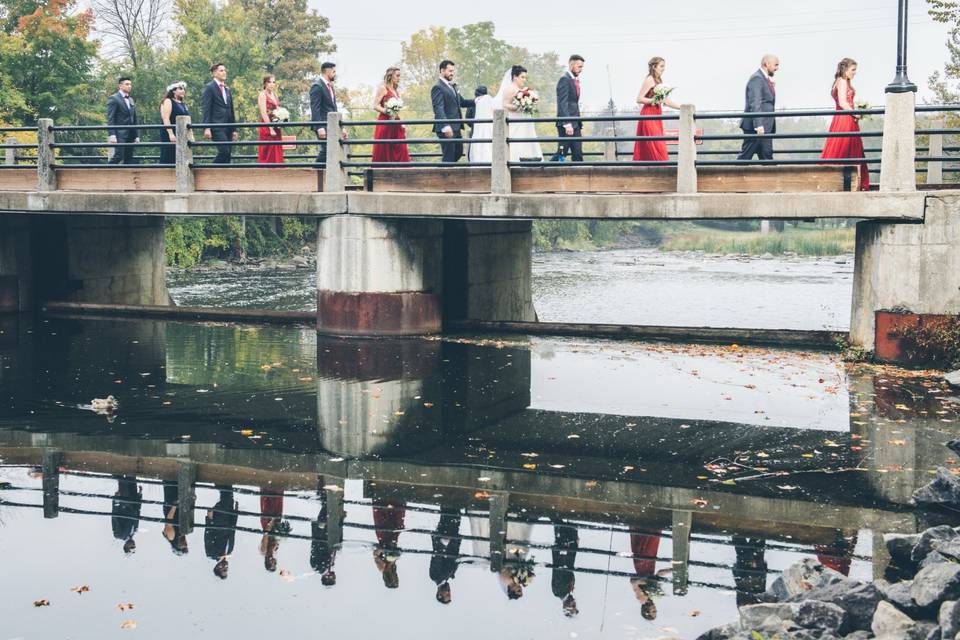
x,y
931,342
852,353
189,241
805,242
185,240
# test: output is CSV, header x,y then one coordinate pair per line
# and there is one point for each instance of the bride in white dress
x,y
482,151
514,80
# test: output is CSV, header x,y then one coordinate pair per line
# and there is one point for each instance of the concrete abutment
x,y
391,276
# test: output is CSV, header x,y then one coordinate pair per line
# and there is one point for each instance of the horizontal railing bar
x,y
258,143
722,115
105,145
372,165
799,162
593,139
105,127
247,165
363,141
19,146
113,166
624,118
598,163
369,123
791,136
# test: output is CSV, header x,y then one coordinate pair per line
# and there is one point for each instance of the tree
x,y
47,63
132,24
945,85
12,10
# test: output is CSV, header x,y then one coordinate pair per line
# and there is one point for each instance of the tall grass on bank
x,y
804,242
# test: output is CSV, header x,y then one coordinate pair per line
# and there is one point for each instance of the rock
x,y
858,599
726,632
948,548
889,623
945,489
801,577
949,619
754,616
813,614
936,583
301,262
934,557
929,538
953,379
858,635
898,594
954,445
899,546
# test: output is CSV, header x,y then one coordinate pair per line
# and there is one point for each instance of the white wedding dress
x,y
518,150
482,151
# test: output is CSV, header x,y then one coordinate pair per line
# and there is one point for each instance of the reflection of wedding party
x,y
513,96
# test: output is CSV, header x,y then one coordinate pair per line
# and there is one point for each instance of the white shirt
x,y
449,84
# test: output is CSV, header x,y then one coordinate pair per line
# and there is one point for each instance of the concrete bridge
x,y
411,250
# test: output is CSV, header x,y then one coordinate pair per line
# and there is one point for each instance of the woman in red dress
x,y
267,101
843,95
652,150
396,152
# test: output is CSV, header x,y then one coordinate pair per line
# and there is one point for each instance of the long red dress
x,y
650,150
390,152
841,146
272,153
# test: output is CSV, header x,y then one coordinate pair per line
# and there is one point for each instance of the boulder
x,y
858,635
754,616
949,619
936,583
943,490
889,623
898,594
929,538
726,632
813,614
954,445
900,546
801,577
948,548
858,599
953,379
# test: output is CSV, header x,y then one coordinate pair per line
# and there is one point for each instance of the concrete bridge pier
x,y
394,277
16,267
913,266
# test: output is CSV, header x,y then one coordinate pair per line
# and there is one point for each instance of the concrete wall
x,y
16,269
916,266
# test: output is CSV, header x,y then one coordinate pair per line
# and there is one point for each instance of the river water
x,y
263,482
627,286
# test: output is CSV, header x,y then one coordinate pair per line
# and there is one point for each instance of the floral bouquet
x,y
279,115
660,93
864,106
526,101
520,568
393,107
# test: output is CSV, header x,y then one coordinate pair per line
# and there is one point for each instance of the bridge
x,y
407,250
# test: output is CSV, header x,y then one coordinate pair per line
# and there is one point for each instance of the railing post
x,y
499,167
687,151
51,461
935,167
184,156
499,503
334,175
682,523
186,495
46,176
897,160
10,155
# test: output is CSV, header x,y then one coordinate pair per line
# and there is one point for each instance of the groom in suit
x,y
217,106
568,110
122,112
761,97
323,101
447,105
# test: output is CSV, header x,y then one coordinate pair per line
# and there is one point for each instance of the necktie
x,y
576,82
333,95
223,92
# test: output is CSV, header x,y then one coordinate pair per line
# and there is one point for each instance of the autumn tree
x,y
946,85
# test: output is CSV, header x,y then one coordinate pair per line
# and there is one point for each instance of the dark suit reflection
x,y
322,553
446,549
171,518
220,531
125,511
750,569
566,541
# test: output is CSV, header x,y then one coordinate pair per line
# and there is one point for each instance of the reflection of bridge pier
x,y
388,398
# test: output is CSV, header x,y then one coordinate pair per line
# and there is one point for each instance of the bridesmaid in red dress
x,y
396,152
652,150
843,95
267,101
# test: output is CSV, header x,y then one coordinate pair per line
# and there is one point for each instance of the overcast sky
x,y
711,47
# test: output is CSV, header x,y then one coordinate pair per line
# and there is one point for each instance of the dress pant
x,y
224,151
574,149
321,151
124,155
761,147
452,147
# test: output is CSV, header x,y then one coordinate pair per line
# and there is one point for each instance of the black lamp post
x,y
901,83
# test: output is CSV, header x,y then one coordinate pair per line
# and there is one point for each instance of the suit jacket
x,y
568,102
321,103
118,114
447,105
760,98
215,109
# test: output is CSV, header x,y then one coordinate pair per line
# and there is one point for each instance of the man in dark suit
x,y
220,531
446,551
121,112
761,98
217,101
568,109
323,101
447,105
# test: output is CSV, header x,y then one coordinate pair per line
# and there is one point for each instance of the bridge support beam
x,y
16,270
912,266
379,276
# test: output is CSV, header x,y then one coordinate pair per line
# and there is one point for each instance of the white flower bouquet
x,y
526,101
520,568
864,106
660,93
393,107
279,115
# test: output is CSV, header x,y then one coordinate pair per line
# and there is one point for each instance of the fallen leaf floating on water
x,y
557,466
694,613
530,455
428,405
763,454
572,436
332,487
125,606
897,443
246,432
787,487
591,484
41,603
530,466
79,590
699,502
128,624
482,495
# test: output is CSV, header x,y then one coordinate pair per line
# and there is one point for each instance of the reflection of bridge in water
x,y
418,419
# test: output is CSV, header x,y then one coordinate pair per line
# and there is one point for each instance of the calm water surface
x,y
257,481
628,286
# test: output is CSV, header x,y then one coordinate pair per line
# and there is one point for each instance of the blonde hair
x,y
843,66
388,76
652,68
